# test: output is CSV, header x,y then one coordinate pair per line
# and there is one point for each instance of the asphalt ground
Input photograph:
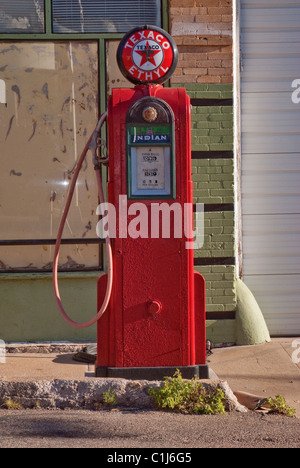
x,y
135,430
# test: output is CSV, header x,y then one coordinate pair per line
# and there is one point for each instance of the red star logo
x,y
148,55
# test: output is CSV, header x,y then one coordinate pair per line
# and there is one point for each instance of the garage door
x,y
270,47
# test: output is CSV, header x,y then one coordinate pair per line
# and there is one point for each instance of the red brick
x,y
227,79
225,3
175,12
206,57
184,79
213,18
219,40
227,63
188,63
209,63
207,3
219,11
220,71
227,18
181,3
209,79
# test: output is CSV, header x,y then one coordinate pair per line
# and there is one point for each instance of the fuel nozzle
x,y
98,145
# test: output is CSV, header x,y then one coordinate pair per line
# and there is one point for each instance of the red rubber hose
x,y
59,238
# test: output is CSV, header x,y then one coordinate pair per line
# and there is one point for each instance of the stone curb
x,y
46,348
88,394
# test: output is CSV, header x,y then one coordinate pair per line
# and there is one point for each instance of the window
x,y
19,16
99,16
52,89
51,109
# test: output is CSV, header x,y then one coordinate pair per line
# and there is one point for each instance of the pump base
x,y
152,373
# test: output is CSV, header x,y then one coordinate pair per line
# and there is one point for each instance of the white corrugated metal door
x,y
270,47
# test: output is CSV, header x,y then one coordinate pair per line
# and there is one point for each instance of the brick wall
x,y
203,33
202,30
212,128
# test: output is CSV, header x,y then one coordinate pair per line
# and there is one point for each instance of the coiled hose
x,y
107,240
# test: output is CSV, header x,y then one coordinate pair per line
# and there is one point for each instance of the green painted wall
x,y
213,178
220,287
212,128
251,327
29,312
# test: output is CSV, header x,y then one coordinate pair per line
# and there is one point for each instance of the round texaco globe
x,y
147,55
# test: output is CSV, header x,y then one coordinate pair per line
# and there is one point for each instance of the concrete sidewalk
x,y
265,370
30,366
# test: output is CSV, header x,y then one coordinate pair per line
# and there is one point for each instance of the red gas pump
x,y
153,320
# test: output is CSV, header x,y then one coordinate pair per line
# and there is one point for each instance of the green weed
x,y
278,405
11,404
109,398
188,396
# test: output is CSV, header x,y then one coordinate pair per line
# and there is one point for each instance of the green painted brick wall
x,y
207,90
221,331
213,180
220,290
219,238
212,128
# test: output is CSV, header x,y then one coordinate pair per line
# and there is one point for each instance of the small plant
x,y
278,405
109,398
11,404
188,396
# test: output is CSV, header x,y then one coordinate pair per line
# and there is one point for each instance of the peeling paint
x,y
72,264
16,90
83,86
88,228
10,126
81,104
45,90
66,102
61,128
10,49
53,197
33,131
13,172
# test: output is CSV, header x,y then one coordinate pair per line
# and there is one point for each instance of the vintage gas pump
x,y
153,320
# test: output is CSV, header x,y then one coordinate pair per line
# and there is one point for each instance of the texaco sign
x,y
147,55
